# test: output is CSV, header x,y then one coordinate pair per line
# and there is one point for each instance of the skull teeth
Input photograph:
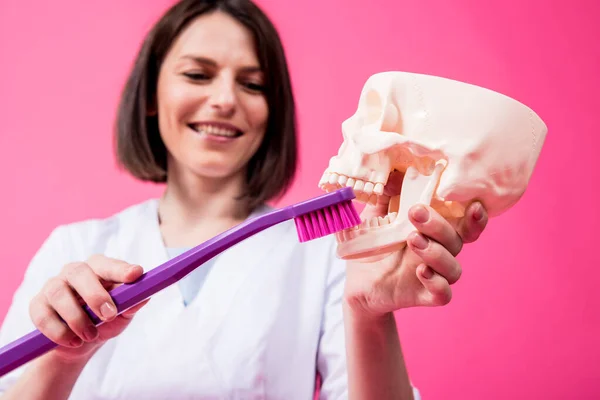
x,y
365,191
375,222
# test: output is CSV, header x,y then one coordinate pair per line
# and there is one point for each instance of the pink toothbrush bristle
x,y
326,221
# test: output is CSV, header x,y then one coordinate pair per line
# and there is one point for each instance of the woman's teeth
x,y
215,131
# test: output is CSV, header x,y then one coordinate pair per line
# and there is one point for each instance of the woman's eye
x,y
254,87
196,76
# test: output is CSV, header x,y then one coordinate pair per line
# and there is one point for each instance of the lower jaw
x,y
368,241
374,242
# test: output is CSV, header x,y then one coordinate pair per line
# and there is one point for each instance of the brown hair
x,y
138,145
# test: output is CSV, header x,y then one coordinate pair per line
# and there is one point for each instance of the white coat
x,y
266,320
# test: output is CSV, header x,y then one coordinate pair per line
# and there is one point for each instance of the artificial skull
x,y
455,143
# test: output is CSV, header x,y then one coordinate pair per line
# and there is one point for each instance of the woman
x,y
208,109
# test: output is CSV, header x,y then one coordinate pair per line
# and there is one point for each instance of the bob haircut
x,y
138,145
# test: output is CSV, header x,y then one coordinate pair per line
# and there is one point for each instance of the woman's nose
x,y
223,99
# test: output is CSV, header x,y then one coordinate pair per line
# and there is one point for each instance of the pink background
x,y
523,322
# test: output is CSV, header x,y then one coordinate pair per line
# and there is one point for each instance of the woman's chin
x,y
207,165
214,171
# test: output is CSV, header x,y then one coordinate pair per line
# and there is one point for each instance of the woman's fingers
x,y
438,292
436,256
90,282
47,321
57,311
86,283
437,243
112,270
60,297
473,223
431,224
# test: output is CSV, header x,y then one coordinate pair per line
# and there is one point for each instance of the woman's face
x,y
212,111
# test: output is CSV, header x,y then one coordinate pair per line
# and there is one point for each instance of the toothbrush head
x,y
325,215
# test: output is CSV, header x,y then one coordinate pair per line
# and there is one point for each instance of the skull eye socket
x,y
386,118
374,107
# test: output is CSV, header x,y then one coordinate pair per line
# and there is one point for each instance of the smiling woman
x,y
195,83
217,117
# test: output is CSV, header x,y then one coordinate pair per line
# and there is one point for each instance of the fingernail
x,y
107,311
90,333
133,268
427,272
478,213
420,214
419,242
76,341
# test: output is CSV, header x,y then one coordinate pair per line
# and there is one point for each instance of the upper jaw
x,y
216,127
366,191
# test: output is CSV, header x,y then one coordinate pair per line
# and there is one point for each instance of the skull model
x,y
454,142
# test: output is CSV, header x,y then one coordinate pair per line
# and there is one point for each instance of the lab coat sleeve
x,y
331,354
46,263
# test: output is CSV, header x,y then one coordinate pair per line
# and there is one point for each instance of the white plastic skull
x,y
454,141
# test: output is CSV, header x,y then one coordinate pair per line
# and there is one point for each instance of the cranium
x,y
455,143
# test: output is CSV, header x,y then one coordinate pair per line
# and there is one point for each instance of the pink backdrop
x,y
523,322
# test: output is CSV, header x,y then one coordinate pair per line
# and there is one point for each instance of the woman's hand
x,y
418,275
64,295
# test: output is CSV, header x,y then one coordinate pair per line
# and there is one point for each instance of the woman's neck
x,y
193,209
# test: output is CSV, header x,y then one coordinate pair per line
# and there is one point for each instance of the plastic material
x,y
314,218
455,142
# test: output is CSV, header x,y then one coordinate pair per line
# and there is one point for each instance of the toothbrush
x,y
314,218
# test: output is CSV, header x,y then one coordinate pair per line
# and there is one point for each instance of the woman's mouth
x,y
216,129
